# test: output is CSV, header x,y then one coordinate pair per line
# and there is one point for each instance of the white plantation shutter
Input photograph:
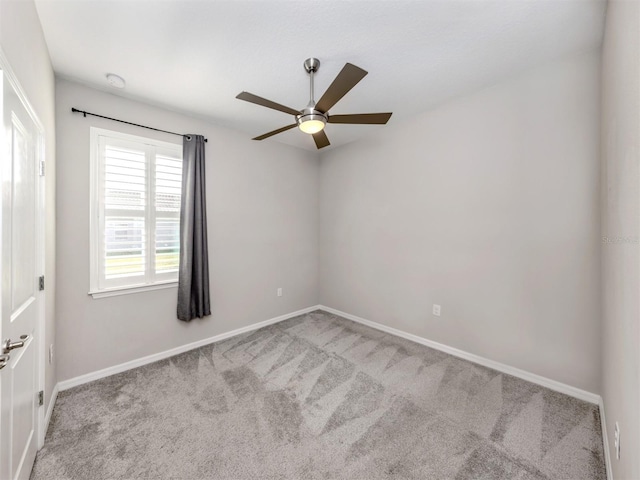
x,y
168,181
124,188
136,185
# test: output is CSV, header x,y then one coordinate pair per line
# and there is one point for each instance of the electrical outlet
x,y
616,440
50,354
436,310
279,292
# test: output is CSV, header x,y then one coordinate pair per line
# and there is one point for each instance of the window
x,y
136,185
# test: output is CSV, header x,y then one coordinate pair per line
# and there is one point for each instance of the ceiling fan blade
x,y
321,139
275,132
361,118
251,98
348,77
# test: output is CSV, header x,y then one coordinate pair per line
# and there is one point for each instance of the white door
x,y
21,298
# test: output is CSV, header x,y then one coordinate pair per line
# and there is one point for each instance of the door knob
x,y
8,345
4,359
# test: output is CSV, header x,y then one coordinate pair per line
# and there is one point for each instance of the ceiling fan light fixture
x,y
311,121
311,126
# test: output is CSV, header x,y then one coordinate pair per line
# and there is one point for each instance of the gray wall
x,y
262,201
22,42
487,206
621,232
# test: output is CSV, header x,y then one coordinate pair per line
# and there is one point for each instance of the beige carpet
x,y
319,397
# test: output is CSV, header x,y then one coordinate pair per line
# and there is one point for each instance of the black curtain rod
x,y
75,110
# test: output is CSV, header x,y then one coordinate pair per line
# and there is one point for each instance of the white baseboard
x,y
90,377
47,417
605,441
501,367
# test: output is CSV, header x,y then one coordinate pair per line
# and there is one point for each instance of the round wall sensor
x,y
115,80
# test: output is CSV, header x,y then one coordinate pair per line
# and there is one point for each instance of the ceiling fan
x,y
313,118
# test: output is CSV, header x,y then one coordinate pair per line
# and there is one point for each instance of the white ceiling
x,y
196,56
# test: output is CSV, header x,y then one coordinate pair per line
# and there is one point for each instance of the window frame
x,y
99,286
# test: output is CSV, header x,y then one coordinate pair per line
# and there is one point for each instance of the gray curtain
x,y
193,277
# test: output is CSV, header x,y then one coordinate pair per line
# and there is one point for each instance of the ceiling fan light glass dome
x,y
311,126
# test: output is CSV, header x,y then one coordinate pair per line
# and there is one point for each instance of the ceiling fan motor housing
x,y
310,113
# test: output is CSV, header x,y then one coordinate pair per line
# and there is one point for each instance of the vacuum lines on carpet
x,y
319,397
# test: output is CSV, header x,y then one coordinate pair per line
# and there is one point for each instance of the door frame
x,y
9,75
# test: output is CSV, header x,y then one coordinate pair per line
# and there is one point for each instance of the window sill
x,y
113,292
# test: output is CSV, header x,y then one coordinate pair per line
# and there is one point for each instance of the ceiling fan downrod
x,y
311,65
310,120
